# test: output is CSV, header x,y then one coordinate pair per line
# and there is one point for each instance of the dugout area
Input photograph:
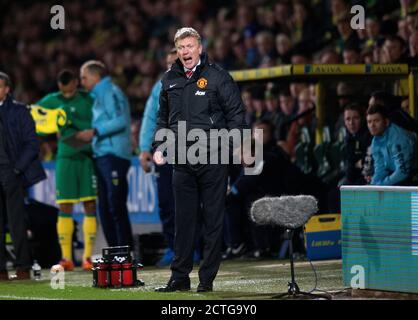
x,y
396,78
322,153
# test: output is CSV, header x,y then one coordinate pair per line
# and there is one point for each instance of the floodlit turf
x,y
237,279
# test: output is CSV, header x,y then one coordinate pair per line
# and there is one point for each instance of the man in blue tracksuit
x,y
393,149
111,141
165,172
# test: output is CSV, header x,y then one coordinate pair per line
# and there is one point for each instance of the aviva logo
x,y
381,68
323,69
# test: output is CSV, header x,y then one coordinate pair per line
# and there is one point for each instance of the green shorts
x,y
75,179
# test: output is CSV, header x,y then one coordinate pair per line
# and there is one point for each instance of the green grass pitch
x,y
237,279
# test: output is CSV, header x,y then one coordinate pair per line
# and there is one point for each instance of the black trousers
x,y
12,212
113,196
206,185
166,201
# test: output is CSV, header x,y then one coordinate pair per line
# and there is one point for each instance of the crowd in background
x,y
133,37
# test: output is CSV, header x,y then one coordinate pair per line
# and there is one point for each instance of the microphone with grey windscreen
x,y
290,212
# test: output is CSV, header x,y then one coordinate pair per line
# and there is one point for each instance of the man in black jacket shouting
x,y
19,168
200,95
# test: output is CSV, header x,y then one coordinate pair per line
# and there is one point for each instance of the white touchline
x,y
26,298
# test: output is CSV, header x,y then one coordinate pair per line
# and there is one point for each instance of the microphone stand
x,y
293,291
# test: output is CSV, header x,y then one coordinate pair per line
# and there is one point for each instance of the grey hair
x,y
95,66
6,79
183,33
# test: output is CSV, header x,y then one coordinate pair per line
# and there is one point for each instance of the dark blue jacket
x,y
22,141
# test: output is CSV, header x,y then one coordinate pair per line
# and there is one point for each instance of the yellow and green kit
x,y
75,178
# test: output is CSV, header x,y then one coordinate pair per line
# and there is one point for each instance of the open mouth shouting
x,y
188,62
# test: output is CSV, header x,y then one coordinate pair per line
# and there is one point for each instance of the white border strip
x,y
12,297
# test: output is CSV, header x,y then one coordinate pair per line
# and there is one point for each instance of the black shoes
x,y
184,285
204,287
175,285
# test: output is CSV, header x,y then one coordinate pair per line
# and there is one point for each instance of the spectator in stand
x,y
246,97
266,19
345,96
351,55
305,118
347,36
403,30
296,88
283,48
225,20
251,53
288,109
248,26
407,7
299,56
272,103
238,50
378,56
258,103
282,15
329,56
412,21
413,49
372,30
394,50
367,55
339,9
265,49
356,142
303,30
362,36
223,53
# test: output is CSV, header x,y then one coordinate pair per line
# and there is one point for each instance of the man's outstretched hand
x,y
159,158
